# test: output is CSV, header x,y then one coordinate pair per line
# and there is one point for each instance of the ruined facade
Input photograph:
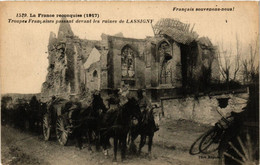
x,y
162,65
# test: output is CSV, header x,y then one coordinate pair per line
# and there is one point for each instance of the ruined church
x,y
162,65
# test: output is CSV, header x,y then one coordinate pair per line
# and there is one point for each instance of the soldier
x,y
113,100
71,106
143,102
145,106
118,98
34,103
51,102
123,94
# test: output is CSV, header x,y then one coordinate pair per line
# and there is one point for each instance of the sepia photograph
x,y
152,83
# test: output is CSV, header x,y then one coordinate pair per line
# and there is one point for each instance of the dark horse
x,y
35,112
116,124
87,120
145,127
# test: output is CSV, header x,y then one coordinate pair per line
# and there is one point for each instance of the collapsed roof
x,y
176,30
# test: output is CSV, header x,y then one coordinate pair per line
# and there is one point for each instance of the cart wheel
x,y
61,131
46,127
210,141
241,152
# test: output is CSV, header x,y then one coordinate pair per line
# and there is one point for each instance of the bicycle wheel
x,y
194,149
209,142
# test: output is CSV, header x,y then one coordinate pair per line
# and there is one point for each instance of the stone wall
x,y
176,66
93,77
204,110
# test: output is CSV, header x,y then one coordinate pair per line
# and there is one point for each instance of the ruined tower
x,y
64,30
60,79
66,55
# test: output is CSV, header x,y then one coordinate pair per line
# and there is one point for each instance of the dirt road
x,y
171,146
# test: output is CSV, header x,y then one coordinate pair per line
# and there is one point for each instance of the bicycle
x,y
209,141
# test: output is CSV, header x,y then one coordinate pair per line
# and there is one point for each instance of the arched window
x,y
95,74
165,53
128,62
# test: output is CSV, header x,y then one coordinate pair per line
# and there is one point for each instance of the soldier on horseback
x,y
146,126
116,122
118,98
145,106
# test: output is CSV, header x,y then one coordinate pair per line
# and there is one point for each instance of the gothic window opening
x,y
95,74
128,63
165,54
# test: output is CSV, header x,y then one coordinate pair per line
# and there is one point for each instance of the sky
x,y
23,48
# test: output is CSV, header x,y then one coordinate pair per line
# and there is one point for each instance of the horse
x,y
116,124
19,115
87,120
35,114
145,127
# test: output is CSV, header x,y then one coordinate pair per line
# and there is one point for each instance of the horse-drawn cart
x,y
57,121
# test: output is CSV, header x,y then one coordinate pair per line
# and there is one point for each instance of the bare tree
x,y
229,61
245,72
251,64
224,64
237,58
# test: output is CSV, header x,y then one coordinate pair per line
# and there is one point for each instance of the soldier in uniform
x,y
113,100
118,98
71,106
51,102
72,109
34,103
143,102
145,106
123,94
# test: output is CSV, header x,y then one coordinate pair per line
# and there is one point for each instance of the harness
x,y
116,126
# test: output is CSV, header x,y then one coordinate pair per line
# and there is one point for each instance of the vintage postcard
x,y
129,83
